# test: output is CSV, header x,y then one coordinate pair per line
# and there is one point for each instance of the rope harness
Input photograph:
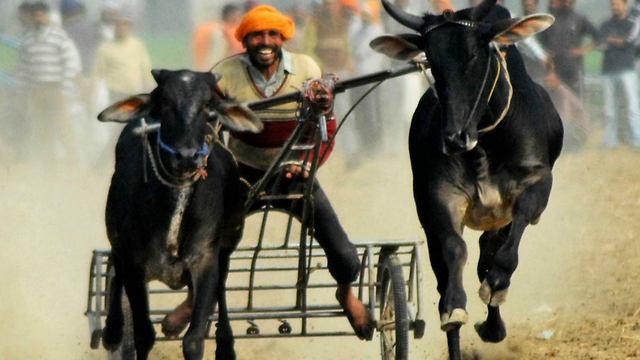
x,y
159,169
501,64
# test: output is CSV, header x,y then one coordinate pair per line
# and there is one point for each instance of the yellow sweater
x,y
124,65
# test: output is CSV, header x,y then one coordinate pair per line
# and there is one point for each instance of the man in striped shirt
x,y
49,64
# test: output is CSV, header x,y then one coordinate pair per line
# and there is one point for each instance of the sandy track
x,y
577,276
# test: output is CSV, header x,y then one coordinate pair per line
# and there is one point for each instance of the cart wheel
x,y
127,349
394,322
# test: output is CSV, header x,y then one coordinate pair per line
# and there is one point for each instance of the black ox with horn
x,y
175,208
483,141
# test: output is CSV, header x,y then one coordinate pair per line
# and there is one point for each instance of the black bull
x,y
175,210
482,146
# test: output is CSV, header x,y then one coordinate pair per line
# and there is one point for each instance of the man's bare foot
x,y
356,312
177,320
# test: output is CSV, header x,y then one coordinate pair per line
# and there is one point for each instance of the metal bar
x,y
412,269
363,266
307,229
359,245
254,259
271,314
419,290
302,147
285,312
92,276
372,284
275,268
299,131
273,335
144,130
289,256
98,284
287,235
339,86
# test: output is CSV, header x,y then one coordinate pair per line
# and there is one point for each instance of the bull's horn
x,y
411,21
482,10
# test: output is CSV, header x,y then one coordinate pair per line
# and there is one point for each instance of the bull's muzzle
x,y
185,161
458,143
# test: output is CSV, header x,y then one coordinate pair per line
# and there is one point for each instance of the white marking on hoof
x,y
490,298
457,318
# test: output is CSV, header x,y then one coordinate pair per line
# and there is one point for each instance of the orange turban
x,y
265,17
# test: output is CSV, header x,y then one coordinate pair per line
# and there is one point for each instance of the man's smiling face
x,y
263,47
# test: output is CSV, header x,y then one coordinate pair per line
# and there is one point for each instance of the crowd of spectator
x,y
77,66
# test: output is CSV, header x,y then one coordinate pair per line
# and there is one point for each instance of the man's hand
x,y
297,171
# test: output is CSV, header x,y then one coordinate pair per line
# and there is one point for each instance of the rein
x,y
159,169
501,63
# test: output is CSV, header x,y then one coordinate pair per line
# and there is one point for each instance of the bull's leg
x,y
527,209
493,329
176,321
112,332
144,335
448,255
224,333
205,281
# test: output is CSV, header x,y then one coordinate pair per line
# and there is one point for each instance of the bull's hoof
x,y
112,336
491,331
492,298
225,351
456,319
224,342
175,322
192,349
111,341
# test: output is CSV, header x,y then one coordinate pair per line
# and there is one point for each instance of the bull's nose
x,y
185,154
187,160
457,143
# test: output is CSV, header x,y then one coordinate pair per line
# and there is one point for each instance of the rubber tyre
x,y
394,321
127,349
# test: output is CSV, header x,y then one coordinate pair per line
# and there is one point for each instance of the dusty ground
x,y
577,280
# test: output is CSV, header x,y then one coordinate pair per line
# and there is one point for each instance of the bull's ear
x,y
403,47
238,117
510,31
123,111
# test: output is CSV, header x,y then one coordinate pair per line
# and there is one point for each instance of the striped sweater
x,y
48,56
